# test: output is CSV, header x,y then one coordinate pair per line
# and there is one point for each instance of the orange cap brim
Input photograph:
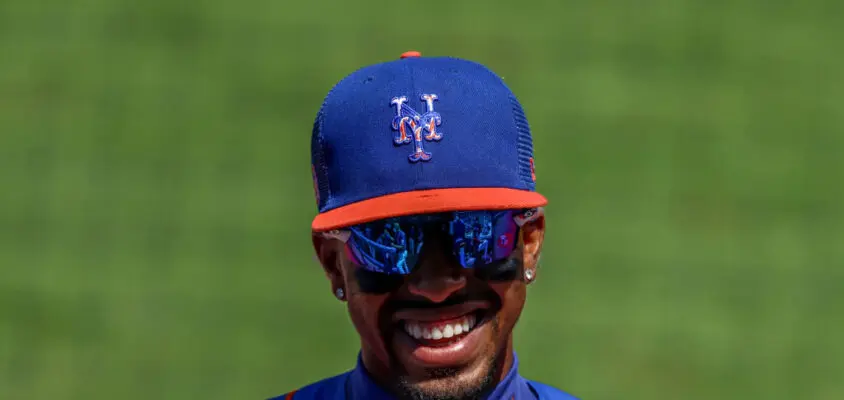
x,y
425,202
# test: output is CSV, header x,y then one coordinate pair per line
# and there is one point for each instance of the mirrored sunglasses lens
x,y
388,247
481,238
393,246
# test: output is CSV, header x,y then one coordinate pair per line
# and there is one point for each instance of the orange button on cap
x,y
407,54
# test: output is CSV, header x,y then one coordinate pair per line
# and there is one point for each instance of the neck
x,y
504,361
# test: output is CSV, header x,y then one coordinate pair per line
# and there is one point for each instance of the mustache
x,y
455,299
424,304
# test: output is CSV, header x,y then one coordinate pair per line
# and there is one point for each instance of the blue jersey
x,y
357,385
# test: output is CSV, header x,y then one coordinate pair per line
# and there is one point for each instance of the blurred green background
x,y
157,198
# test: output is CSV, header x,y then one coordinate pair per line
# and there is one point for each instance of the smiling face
x,y
443,331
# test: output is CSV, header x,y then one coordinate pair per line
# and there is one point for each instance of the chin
x,y
450,383
465,382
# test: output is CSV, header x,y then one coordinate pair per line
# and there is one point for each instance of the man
x,y
416,144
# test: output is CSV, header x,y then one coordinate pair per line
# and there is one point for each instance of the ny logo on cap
x,y
410,126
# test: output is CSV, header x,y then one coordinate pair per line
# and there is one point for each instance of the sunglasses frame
x,y
520,217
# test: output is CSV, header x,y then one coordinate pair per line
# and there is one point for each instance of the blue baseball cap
x,y
420,135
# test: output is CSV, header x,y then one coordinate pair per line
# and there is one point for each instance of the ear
x,y
533,235
330,254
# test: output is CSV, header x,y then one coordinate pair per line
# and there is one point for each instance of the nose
x,y
436,278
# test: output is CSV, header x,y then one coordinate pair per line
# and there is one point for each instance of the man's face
x,y
442,332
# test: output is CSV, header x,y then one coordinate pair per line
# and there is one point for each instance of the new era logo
x,y
411,126
504,240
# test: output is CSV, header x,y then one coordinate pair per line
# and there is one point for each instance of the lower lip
x,y
456,353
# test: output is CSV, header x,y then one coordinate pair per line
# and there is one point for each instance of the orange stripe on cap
x,y
409,54
424,202
290,395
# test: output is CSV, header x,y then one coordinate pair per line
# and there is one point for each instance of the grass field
x,y
157,198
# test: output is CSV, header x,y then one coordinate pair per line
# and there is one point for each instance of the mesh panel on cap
x,y
318,160
524,143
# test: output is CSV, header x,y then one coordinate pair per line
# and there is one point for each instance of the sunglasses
x,y
476,239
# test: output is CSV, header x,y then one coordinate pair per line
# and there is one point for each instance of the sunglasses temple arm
x,y
341,235
528,216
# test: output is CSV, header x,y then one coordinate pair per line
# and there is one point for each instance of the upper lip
x,y
440,313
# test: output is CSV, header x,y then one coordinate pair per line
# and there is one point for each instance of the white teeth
x,y
421,330
436,334
413,330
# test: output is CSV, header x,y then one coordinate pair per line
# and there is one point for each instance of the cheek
x,y
364,308
364,320
364,311
512,295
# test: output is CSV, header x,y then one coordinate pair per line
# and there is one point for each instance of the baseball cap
x,y
420,135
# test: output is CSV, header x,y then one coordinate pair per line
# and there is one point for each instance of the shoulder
x,y
329,388
546,392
